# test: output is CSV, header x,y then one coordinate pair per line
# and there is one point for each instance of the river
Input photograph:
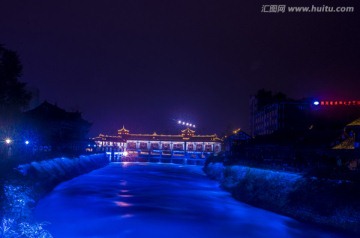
x,y
158,200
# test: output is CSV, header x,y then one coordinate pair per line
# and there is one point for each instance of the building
x,y
277,113
307,123
350,138
234,142
273,115
51,128
184,145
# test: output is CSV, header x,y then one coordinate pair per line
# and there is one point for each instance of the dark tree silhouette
x,y
13,95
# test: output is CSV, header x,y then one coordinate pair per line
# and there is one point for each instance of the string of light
x,y
184,123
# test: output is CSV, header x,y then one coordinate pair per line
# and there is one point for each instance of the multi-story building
x,y
290,115
270,113
186,145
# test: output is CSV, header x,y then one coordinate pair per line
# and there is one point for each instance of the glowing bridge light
x,y
316,103
27,142
179,122
183,123
187,123
8,141
190,125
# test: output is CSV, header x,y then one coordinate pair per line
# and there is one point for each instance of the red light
x,y
342,103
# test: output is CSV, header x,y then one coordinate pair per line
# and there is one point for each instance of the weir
x,y
173,159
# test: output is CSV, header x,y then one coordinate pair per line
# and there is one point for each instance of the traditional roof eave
x,y
188,130
354,123
123,131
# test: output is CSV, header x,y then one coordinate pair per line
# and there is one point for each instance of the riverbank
x,y
327,202
25,184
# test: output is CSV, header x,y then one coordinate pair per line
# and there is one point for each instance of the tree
x,y
13,95
13,99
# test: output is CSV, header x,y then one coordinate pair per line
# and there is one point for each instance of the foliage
x,y
215,170
17,221
232,176
10,229
35,230
6,228
323,201
18,196
13,95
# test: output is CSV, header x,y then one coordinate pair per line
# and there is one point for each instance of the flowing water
x,y
158,200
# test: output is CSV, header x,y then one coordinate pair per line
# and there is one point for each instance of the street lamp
x,y
8,141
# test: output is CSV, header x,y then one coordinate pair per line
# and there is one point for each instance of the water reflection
x,y
123,204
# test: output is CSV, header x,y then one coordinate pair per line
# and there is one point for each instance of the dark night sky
x,y
143,63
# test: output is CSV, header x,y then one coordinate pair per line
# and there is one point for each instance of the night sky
x,y
144,64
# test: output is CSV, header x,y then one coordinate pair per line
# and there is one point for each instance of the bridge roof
x,y
158,137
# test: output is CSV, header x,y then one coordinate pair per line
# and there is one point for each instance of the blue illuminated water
x,y
158,200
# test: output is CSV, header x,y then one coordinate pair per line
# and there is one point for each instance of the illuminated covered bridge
x,y
186,147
